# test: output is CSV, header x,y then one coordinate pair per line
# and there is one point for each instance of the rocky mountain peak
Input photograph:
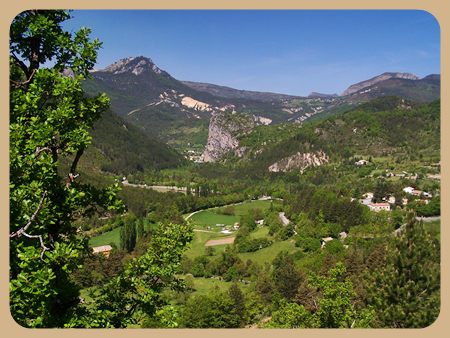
x,y
136,65
385,76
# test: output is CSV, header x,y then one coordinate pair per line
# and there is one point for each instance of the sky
x,y
292,52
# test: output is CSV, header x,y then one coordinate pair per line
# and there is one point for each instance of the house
x,y
404,201
361,162
236,226
104,249
391,200
408,190
325,241
259,222
343,235
379,207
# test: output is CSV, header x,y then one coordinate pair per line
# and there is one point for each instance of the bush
x,y
252,245
308,244
228,210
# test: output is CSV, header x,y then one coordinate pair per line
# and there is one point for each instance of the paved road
x,y
283,218
429,219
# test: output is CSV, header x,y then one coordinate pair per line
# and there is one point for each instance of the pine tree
x,y
405,292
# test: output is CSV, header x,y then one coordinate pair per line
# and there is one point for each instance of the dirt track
x,y
213,242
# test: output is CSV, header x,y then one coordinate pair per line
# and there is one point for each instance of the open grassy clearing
x,y
197,246
207,218
105,238
268,254
213,216
203,285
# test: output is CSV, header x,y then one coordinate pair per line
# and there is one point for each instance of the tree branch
x,y
44,248
39,150
22,230
73,168
72,176
21,64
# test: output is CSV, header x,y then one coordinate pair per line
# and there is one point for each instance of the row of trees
x,y
367,286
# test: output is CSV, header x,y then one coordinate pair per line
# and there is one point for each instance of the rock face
x,y
136,65
224,127
300,161
385,76
195,104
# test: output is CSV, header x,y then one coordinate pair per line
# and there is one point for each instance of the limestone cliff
x,y
300,161
224,129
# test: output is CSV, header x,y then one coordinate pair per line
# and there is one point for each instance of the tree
x,y
214,310
238,299
50,119
285,275
137,291
128,236
335,307
140,229
405,291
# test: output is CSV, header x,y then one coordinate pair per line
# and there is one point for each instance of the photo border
x,y
438,8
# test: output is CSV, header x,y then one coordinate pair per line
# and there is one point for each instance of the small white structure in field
x,y
325,241
361,162
343,235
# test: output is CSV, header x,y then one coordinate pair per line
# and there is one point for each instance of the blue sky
x,y
291,52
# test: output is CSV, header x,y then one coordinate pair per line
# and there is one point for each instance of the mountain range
x,y
178,113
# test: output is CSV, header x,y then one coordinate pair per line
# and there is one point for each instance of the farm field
x,y
105,238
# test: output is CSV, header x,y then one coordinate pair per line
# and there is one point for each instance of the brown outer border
x,y
438,8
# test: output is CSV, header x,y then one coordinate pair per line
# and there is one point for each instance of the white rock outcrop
x,y
300,161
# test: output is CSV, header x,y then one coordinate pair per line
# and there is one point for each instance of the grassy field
x,y
197,245
269,253
210,218
105,238
203,286
200,220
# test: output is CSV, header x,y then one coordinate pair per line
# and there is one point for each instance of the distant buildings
x,y
104,250
415,192
379,206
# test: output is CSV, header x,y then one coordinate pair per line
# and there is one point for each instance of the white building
x,y
408,190
379,206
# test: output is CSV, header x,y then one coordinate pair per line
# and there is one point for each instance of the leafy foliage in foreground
x,y
136,294
49,118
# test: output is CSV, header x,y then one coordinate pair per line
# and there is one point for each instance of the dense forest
x,y
236,246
